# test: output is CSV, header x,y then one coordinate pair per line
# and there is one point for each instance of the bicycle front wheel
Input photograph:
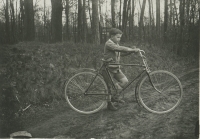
x,y
162,94
81,102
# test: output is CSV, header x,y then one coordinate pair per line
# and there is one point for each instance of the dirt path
x,y
130,121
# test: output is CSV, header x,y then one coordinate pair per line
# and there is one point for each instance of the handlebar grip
x,y
142,51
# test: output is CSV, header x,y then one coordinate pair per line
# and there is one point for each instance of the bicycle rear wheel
x,y
167,95
80,102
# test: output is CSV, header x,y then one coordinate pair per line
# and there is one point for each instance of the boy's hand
x,y
136,50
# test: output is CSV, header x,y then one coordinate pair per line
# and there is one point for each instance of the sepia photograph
x,y
99,69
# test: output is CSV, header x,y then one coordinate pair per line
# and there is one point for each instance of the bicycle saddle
x,y
107,60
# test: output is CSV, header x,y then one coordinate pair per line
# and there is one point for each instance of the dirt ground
x,y
130,121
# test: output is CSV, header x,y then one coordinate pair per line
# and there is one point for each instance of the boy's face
x,y
116,38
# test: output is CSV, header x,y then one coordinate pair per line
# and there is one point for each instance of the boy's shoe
x,y
115,99
111,107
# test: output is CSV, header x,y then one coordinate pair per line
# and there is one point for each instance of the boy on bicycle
x,y
112,53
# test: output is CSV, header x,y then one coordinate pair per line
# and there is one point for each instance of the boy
x,y
112,52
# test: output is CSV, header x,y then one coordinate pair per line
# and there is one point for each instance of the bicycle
x,y
158,92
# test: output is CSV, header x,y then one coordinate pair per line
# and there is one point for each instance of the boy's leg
x,y
122,82
107,81
110,106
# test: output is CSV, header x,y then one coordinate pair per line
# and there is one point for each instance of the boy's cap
x,y
114,31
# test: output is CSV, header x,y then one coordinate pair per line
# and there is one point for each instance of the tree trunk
x,y
95,22
7,23
150,20
158,19
124,16
44,26
176,12
141,24
79,35
100,24
75,26
67,20
13,30
171,12
21,21
199,21
16,21
181,11
113,13
56,20
153,21
120,14
129,18
149,13
29,31
165,20
132,19
90,13
29,21
84,23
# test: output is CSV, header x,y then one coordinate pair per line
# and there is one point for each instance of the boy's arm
x,y
115,47
126,53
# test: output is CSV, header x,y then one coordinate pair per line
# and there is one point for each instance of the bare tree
x,y
56,20
126,9
150,22
171,12
7,23
44,15
95,22
67,19
165,20
80,23
29,21
141,24
113,12
120,13
131,22
158,19
182,10
84,23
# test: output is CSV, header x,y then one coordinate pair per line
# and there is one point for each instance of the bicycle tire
x,y
78,101
170,87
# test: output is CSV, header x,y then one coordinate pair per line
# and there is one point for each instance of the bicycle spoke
x,y
81,102
148,86
166,98
74,82
169,86
152,96
156,81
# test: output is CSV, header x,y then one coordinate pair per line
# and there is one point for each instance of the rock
x,y
22,134
126,134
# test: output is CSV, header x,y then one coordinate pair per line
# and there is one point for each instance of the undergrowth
x,y
37,71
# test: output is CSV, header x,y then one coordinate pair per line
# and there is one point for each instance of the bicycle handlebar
x,y
142,52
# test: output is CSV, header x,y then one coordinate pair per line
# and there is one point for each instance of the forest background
x,y
171,22
43,42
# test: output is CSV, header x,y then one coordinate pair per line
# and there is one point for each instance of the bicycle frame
x,y
106,66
